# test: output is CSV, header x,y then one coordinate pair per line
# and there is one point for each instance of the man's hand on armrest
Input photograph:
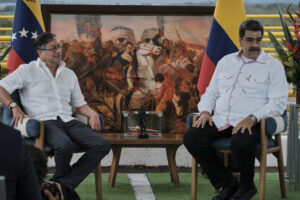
x,y
6,99
19,115
93,121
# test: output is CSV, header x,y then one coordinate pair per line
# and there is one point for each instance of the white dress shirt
x,y
44,97
242,86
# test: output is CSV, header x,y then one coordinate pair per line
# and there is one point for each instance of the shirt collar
x,y
60,68
259,59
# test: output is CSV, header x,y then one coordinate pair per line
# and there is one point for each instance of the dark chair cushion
x,y
48,149
33,128
224,144
276,124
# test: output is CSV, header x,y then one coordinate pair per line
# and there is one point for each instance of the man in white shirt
x,y
246,86
48,92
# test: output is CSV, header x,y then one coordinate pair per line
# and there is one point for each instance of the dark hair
x,y
43,39
251,25
128,43
39,160
190,68
159,77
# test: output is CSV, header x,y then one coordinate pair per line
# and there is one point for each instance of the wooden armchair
x,y
33,132
270,142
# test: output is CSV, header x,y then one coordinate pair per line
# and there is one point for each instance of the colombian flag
x,y
223,37
28,24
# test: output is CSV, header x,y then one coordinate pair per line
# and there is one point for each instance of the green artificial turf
x,y
165,190
121,191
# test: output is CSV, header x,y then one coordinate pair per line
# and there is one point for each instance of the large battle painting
x,y
124,61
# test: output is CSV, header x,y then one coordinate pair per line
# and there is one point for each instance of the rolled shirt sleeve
x,y
15,80
77,98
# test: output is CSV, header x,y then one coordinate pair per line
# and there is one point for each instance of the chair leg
x,y
194,179
98,181
280,164
262,176
226,159
281,174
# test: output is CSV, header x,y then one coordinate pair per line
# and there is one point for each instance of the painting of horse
x,y
125,61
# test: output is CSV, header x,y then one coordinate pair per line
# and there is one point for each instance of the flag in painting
x,y
28,24
223,37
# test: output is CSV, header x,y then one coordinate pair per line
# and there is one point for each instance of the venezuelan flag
x,y
28,24
223,37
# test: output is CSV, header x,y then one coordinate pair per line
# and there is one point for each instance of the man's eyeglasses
x,y
53,49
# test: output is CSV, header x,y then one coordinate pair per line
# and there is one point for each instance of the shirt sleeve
x,y
277,93
209,98
77,98
16,80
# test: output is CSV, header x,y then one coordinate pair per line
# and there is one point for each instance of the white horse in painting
x,y
146,64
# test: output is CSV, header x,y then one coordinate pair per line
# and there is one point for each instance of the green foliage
x,y
5,50
280,51
286,31
289,57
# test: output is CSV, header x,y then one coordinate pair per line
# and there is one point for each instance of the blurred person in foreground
x,y
17,167
246,86
48,188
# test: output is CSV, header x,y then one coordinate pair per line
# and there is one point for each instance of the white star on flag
x,y
34,35
23,33
13,36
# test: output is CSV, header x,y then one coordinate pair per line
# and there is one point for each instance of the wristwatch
x,y
12,105
253,118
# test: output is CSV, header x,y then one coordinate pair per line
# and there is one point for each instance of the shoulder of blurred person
x,y
16,166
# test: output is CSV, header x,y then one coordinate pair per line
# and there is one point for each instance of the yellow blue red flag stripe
x,y
223,37
28,24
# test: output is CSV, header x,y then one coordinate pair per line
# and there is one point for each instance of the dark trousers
x,y
67,138
198,142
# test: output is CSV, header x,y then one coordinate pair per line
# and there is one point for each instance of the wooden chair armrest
x,y
40,141
263,135
84,119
